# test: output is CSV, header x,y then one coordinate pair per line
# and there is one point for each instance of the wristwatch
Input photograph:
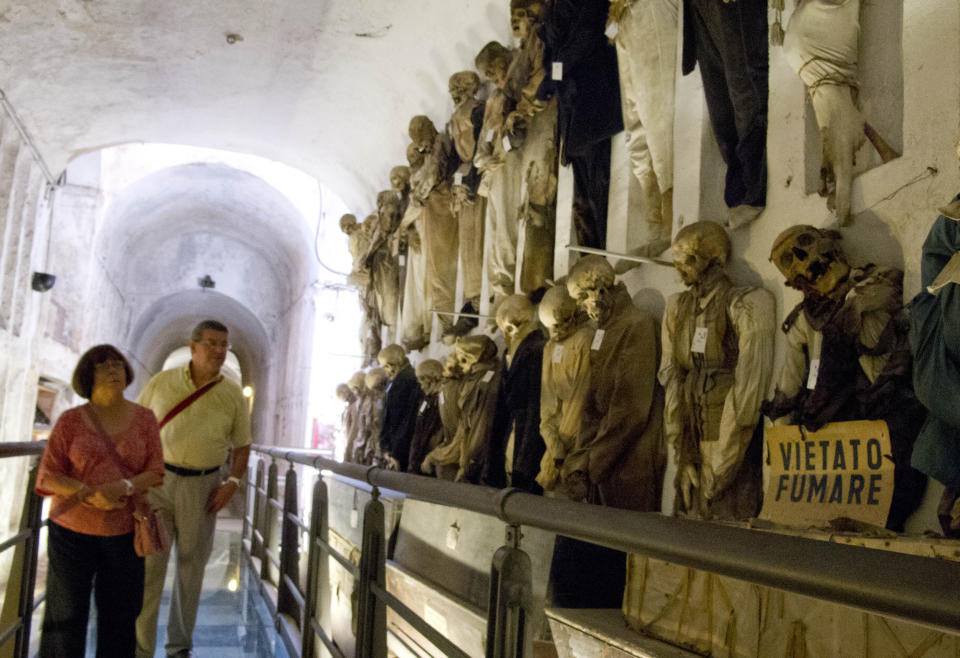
x,y
129,485
235,480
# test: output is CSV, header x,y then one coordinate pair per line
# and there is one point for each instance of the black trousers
x,y
591,189
77,564
731,44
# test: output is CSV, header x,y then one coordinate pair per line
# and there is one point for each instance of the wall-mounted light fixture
x,y
42,281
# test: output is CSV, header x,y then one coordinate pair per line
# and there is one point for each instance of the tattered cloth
x,y
822,42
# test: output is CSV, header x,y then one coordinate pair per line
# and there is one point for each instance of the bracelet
x,y
235,480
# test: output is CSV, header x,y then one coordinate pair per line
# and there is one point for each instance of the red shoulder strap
x,y
187,401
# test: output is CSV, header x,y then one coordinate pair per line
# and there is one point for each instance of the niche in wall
x,y
881,89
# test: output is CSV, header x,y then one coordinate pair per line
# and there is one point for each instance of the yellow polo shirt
x,y
200,436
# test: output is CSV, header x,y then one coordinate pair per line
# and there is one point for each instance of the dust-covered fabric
x,y
821,42
935,344
646,40
858,339
621,433
565,382
401,402
427,432
518,415
713,395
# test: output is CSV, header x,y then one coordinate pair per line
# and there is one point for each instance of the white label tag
x,y
699,340
403,260
458,178
612,30
490,135
423,406
557,353
597,340
487,377
354,518
556,71
453,537
814,373
440,398
506,144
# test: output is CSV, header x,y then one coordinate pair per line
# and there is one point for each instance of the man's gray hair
x,y
197,334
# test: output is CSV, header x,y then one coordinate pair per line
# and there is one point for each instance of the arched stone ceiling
x,y
326,86
164,232
166,324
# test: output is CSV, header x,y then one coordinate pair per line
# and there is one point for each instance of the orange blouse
x,y
75,449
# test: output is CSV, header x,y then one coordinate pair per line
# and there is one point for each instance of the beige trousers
x,y
182,502
440,249
646,53
470,220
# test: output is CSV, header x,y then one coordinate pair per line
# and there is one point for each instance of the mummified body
x,y
469,208
619,451
847,356
565,382
476,401
515,447
414,320
441,459
822,46
382,258
431,186
402,399
428,428
717,363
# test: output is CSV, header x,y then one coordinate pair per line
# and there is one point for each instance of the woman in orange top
x,y
90,534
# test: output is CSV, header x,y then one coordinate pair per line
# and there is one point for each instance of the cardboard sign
x,y
507,146
556,71
845,469
612,30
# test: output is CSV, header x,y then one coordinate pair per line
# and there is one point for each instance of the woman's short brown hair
x,y
83,373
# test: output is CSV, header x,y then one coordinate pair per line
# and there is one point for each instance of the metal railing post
x,y
290,552
18,600
372,622
511,600
269,522
318,570
256,531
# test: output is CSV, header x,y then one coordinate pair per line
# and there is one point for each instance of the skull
x,y
697,248
809,258
393,359
348,224
344,394
463,86
376,380
591,283
357,382
414,157
493,61
451,367
558,312
430,376
514,315
400,178
524,15
474,350
423,133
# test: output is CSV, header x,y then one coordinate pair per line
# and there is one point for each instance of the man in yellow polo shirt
x,y
196,442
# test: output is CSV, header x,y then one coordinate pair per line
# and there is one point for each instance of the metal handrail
x,y
19,602
912,588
